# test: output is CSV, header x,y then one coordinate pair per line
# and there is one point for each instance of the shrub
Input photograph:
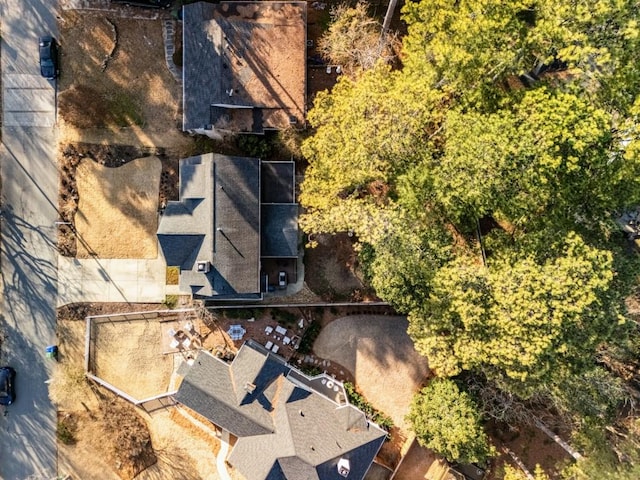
x,y
357,400
309,337
66,430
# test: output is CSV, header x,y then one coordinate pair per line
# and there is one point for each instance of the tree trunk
x,y
389,15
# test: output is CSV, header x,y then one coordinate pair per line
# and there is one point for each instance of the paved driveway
x,y
28,270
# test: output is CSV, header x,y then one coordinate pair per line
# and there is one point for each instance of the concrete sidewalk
x,y
111,280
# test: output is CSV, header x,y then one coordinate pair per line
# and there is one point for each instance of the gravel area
x,y
381,356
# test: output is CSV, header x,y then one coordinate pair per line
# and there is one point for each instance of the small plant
x,y
288,143
357,400
171,301
173,275
286,317
239,313
66,430
310,370
254,146
309,337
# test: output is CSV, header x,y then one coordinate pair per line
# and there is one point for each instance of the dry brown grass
x,y
128,356
117,212
173,275
135,88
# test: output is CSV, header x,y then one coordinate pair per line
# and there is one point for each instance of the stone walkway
x,y
168,33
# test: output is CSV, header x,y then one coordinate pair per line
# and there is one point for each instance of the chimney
x,y
203,266
344,467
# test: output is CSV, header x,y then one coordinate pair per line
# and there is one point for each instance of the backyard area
x,y
123,348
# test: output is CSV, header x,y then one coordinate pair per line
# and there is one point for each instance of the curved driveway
x,y
377,350
28,269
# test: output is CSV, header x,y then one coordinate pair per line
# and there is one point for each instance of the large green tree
x,y
473,45
484,205
547,155
523,322
446,420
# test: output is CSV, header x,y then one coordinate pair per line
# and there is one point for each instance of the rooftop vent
x,y
203,266
249,387
293,119
344,467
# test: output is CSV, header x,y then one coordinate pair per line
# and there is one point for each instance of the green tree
x,y
447,421
406,256
523,322
511,473
473,45
608,456
366,130
549,156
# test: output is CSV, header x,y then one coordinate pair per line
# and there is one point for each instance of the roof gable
x,y
285,430
216,221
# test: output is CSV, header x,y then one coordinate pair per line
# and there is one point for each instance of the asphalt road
x,y
28,260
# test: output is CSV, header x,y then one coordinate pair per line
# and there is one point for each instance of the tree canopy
x,y
519,320
482,180
447,421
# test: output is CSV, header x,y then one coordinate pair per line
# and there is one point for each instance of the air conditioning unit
x,y
203,266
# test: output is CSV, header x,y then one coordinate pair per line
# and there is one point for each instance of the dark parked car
x,y
146,3
48,57
7,385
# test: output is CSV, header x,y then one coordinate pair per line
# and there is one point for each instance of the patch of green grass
x,y
171,301
66,430
124,111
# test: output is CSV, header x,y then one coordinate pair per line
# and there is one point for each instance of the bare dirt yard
x,y
368,345
122,441
117,213
386,368
114,78
333,269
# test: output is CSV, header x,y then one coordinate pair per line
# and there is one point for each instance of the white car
x,y
282,279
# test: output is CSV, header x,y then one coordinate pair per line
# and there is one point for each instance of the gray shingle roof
x,y
217,220
302,434
278,182
244,65
279,230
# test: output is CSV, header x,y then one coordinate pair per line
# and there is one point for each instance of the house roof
x,y
216,220
280,230
285,429
278,182
244,65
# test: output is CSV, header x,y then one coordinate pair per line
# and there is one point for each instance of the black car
x,y
7,385
146,3
48,57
